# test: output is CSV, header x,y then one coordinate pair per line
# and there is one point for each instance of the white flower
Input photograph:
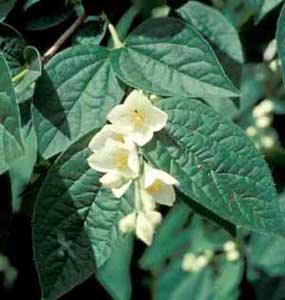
x,y
138,118
117,158
229,246
146,224
142,223
232,255
107,132
119,161
158,186
128,223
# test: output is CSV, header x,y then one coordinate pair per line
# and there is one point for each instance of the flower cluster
x,y
116,154
261,132
193,262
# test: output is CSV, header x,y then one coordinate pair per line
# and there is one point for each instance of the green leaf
x,y
75,222
267,253
219,32
10,137
280,37
216,165
12,46
47,21
92,33
5,7
21,170
30,3
25,85
115,275
80,88
215,27
166,56
263,7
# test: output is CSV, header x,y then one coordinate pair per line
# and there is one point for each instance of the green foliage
x,y
75,81
216,165
11,147
75,222
66,66
172,49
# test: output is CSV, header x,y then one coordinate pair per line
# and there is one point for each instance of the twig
x,y
66,35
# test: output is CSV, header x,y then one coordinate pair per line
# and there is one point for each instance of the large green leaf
x,y
280,37
219,32
79,88
167,56
10,137
115,275
216,165
75,222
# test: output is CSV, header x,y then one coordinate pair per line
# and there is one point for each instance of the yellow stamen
x,y
139,118
121,160
155,187
119,138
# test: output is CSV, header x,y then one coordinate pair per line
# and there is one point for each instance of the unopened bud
x,y
128,223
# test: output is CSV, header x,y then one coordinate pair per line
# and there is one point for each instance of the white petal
x,y
107,132
141,136
152,174
166,196
158,118
112,180
133,160
155,217
119,192
144,229
128,223
148,203
121,117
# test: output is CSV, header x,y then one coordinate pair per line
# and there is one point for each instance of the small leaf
x,y
80,88
5,8
216,165
263,7
25,86
280,37
12,46
75,222
166,56
11,147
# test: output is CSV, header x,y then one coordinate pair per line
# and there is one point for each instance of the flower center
x,y
155,187
121,160
138,118
119,138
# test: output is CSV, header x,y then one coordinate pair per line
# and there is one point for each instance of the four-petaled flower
x,y
119,161
138,118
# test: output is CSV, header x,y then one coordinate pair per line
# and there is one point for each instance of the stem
x,y
65,36
20,75
138,195
115,37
